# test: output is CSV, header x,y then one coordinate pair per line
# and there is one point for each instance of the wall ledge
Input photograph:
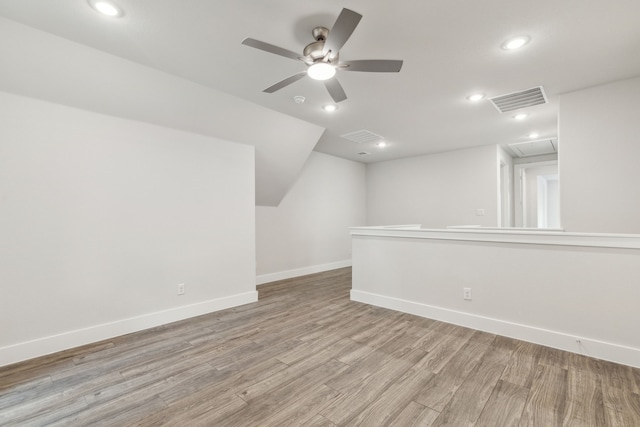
x,y
507,235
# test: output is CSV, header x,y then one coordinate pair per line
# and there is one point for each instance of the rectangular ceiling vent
x,y
534,148
517,100
361,136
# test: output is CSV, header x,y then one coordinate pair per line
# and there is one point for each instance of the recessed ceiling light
x,y
321,71
533,135
106,8
381,144
330,107
520,116
476,97
516,42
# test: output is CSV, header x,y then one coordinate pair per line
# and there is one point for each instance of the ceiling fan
x,y
321,56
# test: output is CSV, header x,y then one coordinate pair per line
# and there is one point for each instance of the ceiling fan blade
x,y
270,48
335,90
343,28
285,82
373,65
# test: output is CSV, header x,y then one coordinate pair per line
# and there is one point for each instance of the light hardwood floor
x,y
304,355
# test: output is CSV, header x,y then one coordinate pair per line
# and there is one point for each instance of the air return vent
x,y
361,136
517,100
534,148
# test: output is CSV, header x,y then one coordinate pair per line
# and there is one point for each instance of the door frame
x,y
519,188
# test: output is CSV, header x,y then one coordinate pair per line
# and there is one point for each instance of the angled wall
x,y
101,218
40,65
309,231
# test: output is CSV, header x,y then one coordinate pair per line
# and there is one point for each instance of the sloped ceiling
x,y
451,49
48,67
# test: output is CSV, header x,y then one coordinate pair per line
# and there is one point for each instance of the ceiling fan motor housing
x,y
320,33
313,51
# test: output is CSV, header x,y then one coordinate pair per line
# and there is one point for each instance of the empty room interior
x,y
246,213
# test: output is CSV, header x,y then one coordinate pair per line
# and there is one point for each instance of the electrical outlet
x,y
466,293
181,289
480,212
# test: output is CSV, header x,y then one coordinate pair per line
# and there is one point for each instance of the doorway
x,y
537,198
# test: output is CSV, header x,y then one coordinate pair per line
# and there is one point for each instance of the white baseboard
x,y
64,341
288,274
581,345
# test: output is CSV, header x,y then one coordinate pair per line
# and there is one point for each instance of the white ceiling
x,y
450,49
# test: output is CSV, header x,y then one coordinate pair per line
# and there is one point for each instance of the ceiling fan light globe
x,y
321,71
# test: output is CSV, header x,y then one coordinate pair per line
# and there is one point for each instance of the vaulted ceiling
x,y
451,49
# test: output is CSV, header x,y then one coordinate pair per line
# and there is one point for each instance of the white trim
x,y
482,227
580,345
516,236
66,340
288,274
405,226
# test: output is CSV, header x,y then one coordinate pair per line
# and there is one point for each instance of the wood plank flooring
x,y
305,355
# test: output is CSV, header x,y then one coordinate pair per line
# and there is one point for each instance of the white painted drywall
x,y
553,203
101,218
529,193
40,65
582,293
309,230
599,134
436,190
505,189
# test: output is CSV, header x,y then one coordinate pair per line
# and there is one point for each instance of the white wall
x,y
583,300
101,218
309,230
86,78
553,203
435,190
599,134
505,189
